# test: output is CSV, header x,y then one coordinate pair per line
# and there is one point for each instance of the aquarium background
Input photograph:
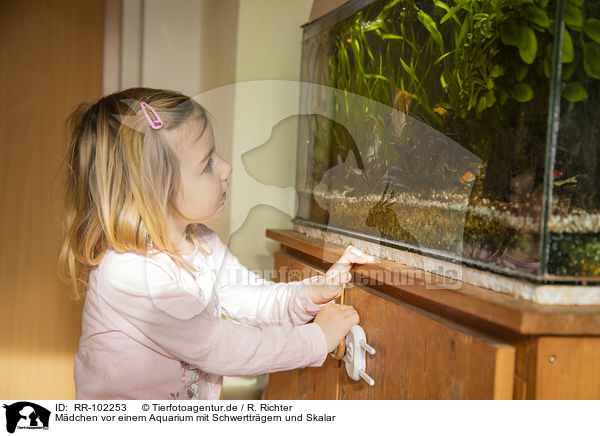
x,y
488,152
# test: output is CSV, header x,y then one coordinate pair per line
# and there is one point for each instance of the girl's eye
x,y
209,164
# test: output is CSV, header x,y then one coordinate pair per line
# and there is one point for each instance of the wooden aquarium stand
x,y
443,342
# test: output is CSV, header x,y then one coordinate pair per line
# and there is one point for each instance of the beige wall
x,y
171,46
269,47
218,34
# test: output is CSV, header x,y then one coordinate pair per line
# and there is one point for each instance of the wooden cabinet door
x,y
567,368
418,355
51,54
422,356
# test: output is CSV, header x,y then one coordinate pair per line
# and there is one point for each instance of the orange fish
x,y
403,100
557,173
467,177
440,110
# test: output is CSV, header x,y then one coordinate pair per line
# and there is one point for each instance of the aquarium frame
x,y
551,136
334,16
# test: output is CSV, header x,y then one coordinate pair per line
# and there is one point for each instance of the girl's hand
x,y
336,320
331,285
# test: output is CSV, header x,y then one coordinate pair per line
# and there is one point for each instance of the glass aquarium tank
x,y
464,130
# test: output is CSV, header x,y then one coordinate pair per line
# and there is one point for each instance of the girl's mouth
x,y
224,196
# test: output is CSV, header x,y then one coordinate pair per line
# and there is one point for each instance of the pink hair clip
x,y
157,124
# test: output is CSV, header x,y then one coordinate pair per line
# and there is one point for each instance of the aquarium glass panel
x,y
573,227
447,128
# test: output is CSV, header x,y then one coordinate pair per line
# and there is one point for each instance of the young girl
x,y
168,309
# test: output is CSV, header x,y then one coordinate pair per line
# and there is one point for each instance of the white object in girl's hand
x,y
355,357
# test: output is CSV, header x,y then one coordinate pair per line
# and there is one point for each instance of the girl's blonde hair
x,y
121,178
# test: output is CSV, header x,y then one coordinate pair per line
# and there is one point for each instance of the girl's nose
x,y
227,170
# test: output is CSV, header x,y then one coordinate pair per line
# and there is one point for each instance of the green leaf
x,y
344,59
460,39
548,60
577,2
510,33
390,36
481,105
452,14
377,76
567,73
390,5
490,98
356,47
522,92
591,28
441,4
371,25
408,41
497,71
369,52
438,60
543,3
502,96
568,54
591,59
575,92
410,71
528,45
537,16
546,67
573,16
521,72
431,27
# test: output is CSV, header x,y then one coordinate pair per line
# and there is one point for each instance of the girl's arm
x,y
248,298
252,300
146,303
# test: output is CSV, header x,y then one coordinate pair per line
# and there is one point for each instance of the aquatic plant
x,y
451,64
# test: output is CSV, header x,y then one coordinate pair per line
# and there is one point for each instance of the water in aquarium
x,y
459,129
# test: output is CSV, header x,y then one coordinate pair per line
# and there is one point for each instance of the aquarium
x,y
461,130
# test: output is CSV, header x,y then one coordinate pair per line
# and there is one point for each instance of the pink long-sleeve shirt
x,y
151,330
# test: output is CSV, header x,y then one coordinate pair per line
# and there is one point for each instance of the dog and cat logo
x,y
26,415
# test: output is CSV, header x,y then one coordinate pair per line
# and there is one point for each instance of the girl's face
x,y
203,175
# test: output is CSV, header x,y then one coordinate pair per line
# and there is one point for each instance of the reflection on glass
x,y
487,153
